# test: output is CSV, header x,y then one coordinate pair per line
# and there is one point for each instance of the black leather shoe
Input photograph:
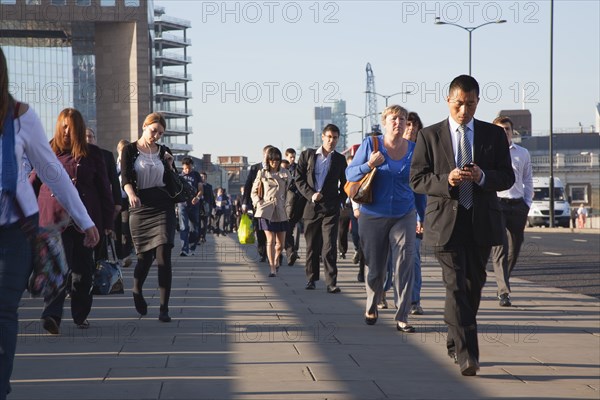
x,y
272,275
51,325
452,355
360,277
504,300
470,367
405,328
292,259
84,325
140,304
333,289
310,285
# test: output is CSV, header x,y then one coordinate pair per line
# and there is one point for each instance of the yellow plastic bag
x,y
245,230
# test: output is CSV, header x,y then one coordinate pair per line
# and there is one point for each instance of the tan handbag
x,y
361,191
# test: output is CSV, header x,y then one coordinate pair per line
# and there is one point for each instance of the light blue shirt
x,y
322,164
392,195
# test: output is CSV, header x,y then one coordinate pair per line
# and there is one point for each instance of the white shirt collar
x,y
454,125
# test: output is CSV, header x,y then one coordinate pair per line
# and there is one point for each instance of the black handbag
x,y
108,278
178,189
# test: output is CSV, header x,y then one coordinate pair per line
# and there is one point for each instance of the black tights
x,y
165,273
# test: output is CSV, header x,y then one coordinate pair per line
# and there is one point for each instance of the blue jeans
x,y
15,268
416,293
189,226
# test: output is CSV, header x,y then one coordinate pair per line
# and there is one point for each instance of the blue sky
x,y
259,68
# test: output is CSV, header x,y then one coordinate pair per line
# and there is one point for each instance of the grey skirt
x,y
153,223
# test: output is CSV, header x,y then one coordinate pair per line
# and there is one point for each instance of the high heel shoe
x,y
163,316
140,304
370,320
404,327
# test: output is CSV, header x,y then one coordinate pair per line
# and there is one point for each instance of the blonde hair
x,y
394,109
153,118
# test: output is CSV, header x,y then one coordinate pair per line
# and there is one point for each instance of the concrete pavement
x,y
237,334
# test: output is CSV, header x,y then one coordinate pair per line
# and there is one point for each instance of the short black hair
x,y
331,128
187,161
466,83
290,151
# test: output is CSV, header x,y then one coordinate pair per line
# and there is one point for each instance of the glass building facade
x,y
84,54
45,83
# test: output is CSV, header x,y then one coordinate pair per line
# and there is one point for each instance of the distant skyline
x,y
260,68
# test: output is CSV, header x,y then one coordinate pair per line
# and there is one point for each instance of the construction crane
x,y
371,101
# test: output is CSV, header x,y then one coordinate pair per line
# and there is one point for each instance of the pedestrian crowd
x,y
459,186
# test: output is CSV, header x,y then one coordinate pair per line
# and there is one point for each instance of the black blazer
x,y
113,178
129,154
333,187
432,162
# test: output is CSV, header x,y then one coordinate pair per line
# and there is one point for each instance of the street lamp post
x,y
469,29
362,121
386,97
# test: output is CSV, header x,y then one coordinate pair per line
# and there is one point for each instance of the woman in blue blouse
x,y
387,225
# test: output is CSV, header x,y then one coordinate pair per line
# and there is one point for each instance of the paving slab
x,y
237,334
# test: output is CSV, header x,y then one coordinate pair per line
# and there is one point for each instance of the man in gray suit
x,y
460,163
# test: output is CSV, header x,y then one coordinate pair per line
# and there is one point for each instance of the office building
x,y
97,56
339,118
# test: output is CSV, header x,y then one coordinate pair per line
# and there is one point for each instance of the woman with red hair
x,y
85,166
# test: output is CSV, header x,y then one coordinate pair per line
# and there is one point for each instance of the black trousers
x,y
261,239
292,243
345,217
321,233
514,218
463,271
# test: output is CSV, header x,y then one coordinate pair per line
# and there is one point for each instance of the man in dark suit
x,y
460,163
111,169
115,186
320,178
261,239
207,205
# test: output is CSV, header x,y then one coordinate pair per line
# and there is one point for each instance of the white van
x,y
539,213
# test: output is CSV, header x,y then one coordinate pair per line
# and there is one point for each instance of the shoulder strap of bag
x,y
375,143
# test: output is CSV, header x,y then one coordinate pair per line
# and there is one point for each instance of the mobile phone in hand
x,y
468,166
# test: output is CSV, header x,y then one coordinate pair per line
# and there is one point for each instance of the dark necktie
x,y
465,189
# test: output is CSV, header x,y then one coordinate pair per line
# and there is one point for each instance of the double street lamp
x,y
362,121
387,96
469,29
